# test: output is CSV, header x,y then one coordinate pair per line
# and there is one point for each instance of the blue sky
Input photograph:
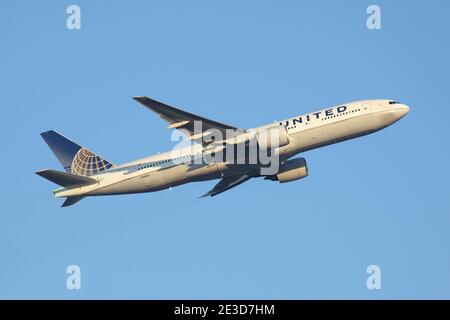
x,y
381,199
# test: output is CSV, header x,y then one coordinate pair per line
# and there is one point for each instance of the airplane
x,y
87,174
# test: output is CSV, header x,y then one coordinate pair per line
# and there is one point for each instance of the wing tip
x,y
71,201
140,98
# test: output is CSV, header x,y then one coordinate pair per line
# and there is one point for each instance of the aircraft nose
x,y
393,113
401,110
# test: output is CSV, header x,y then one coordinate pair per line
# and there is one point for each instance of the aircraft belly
x,y
167,178
201,172
131,185
146,182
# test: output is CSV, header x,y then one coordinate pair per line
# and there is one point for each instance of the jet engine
x,y
272,137
291,170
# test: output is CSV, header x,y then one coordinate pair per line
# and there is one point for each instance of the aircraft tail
x,y
65,179
75,158
68,181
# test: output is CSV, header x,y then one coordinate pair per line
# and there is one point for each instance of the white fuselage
x,y
305,132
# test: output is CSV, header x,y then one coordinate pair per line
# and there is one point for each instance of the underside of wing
x,y
179,119
226,184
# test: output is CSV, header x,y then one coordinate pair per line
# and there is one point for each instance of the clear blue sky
x,y
381,199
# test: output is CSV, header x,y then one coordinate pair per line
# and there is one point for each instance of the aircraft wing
x,y
179,119
226,184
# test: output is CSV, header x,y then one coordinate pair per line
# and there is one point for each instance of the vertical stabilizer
x,y
75,158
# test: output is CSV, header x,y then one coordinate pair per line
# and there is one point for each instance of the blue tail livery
x,y
75,158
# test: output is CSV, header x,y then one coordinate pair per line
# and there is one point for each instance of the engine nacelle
x,y
291,170
272,137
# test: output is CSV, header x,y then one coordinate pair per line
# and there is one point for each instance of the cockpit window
x,y
393,102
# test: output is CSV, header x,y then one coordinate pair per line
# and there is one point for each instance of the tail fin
x,y
66,180
75,158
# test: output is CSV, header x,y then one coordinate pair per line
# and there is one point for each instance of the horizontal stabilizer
x,y
70,201
66,180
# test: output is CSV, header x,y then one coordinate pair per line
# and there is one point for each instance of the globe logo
x,y
87,163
